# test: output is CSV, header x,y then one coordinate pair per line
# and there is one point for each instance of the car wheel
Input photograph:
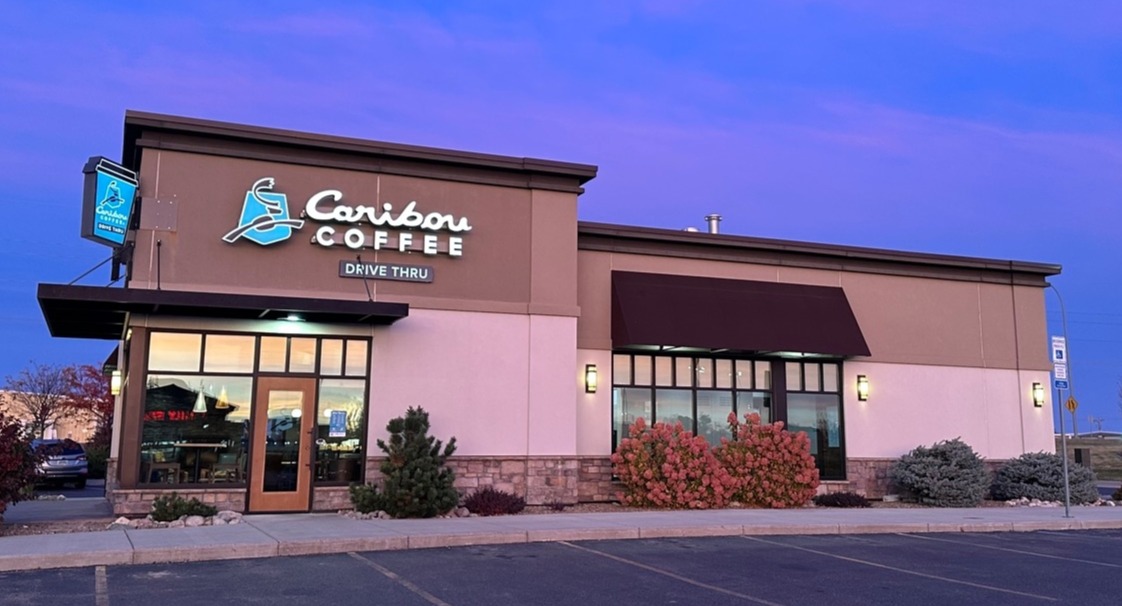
x,y
80,484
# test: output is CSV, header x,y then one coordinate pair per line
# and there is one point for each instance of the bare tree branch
x,y
38,394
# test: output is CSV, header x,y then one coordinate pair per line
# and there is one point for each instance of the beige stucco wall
x,y
911,405
502,384
594,410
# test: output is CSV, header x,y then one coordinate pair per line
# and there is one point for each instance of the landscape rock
x,y
176,524
227,516
194,521
462,512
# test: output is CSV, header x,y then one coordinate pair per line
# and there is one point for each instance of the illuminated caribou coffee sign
x,y
265,220
372,226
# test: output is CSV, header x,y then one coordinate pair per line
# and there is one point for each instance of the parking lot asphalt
x,y
87,503
1045,567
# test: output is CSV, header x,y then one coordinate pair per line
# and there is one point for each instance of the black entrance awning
x,y
737,315
98,312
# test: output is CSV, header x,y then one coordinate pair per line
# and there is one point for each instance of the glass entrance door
x,y
283,424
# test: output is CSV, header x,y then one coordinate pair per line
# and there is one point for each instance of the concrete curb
x,y
247,540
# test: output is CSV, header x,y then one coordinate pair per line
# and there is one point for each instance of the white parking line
x,y
904,570
1069,535
430,598
1021,551
667,573
101,587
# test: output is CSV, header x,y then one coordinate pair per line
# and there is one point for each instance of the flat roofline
x,y
671,239
138,121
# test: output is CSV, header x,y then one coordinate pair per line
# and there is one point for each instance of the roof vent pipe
x,y
713,220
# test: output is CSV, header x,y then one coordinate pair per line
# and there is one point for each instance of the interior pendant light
x,y
200,402
223,399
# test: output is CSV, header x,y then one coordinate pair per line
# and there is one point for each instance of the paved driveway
x,y
1072,567
80,504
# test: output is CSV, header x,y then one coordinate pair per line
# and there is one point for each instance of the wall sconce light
x,y
1038,395
591,378
862,388
115,383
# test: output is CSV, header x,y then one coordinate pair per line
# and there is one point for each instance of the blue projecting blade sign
x,y
107,201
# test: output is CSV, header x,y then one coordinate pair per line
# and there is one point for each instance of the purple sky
x,y
930,126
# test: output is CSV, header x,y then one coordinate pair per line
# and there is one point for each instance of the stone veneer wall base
x,y
540,480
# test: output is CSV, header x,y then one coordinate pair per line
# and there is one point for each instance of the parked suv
x,y
63,461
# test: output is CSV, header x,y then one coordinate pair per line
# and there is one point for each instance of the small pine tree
x,y
417,482
945,474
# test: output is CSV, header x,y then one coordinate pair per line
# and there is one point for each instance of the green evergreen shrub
x,y
769,466
1040,475
488,501
366,498
17,463
417,482
1117,496
171,507
841,499
667,466
946,474
97,450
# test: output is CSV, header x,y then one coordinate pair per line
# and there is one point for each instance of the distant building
x,y
78,426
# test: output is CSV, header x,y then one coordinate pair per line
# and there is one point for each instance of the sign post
x,y
1060,382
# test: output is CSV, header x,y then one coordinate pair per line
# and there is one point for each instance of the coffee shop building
x,y
283,295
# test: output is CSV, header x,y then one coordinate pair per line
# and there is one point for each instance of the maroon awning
x,y
737,315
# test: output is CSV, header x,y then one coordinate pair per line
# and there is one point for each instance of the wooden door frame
x,y
300,499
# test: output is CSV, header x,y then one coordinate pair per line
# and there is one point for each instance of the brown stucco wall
x,y
190,200
905,319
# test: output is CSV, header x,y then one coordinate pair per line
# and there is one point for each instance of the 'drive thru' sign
x,y
385,271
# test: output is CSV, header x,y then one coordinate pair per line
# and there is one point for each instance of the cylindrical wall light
x,y
115,383
862,388
591,378
1038,395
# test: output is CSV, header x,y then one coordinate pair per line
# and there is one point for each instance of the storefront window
x,y
331,357
198,400
707,389
274,354
674,406
628,405
301,355
175,352
815,407
196,429
713,408
229,353
341,430
758,402
358,364
820,417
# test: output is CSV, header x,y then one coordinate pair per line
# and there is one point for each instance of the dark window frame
x,y
256,374
777,390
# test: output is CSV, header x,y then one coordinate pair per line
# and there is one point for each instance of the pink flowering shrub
x,y
667,466
772,467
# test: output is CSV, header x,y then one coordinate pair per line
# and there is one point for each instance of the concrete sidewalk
x,y
262,536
